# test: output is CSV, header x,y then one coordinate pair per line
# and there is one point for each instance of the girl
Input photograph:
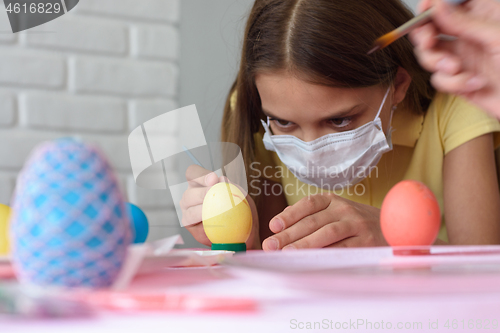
x,y
311,110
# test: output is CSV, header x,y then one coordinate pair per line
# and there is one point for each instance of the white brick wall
x,y
50,111
122,77
144,42
7,109
25,68
143,110
96,73
80,34
148,10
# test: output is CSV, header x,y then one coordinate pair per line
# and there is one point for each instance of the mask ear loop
x,y
390,130
269,125
383,102
392,114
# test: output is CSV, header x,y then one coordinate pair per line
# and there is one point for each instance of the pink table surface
x,y
423,298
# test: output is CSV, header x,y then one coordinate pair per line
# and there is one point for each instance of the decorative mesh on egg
x,y
69,226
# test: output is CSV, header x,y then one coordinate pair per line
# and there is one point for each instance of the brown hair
x,y
324,42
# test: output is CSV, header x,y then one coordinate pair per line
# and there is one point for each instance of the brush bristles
x,y
384,41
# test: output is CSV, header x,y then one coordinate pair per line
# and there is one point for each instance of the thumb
x,y
456,21
200,176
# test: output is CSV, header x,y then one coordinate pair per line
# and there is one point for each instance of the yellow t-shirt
x,y
420,143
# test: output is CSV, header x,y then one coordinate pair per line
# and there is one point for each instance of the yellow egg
x,y
4,229
227,218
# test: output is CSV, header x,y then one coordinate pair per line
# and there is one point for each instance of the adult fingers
x,y
434,53
425,37
482,9
424,5
456,21
438,60
457,84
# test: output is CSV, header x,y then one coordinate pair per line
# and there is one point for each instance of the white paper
x,y
138,252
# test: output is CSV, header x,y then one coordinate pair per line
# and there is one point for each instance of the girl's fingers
x,y
305,207
347,242
199,234
457,84
355,241
193,197
198,176
223,179
306,226
330,233
192,215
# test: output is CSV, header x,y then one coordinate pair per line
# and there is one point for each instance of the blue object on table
x,y
139,222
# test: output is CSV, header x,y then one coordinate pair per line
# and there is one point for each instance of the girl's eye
x,y
282,123
341,122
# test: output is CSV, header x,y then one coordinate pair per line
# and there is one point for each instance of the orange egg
x,y
410,215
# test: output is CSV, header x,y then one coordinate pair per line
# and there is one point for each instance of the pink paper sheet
x,y
364,271
321,286
7,271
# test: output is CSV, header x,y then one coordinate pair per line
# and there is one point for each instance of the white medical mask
x,y
335,160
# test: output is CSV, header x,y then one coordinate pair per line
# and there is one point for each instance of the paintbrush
x,y
415,22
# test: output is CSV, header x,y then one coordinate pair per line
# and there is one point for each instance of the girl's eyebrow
x,y
344,112
339,114
269,114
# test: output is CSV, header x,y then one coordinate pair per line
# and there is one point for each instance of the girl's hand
x,y
200,181
325,220
470,65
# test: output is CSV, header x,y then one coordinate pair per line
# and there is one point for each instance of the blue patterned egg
x,y
69,225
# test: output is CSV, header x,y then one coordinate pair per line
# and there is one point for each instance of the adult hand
x,y
470,65
325,220
200,181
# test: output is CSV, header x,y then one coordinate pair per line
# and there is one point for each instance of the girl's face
x,y
309,111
